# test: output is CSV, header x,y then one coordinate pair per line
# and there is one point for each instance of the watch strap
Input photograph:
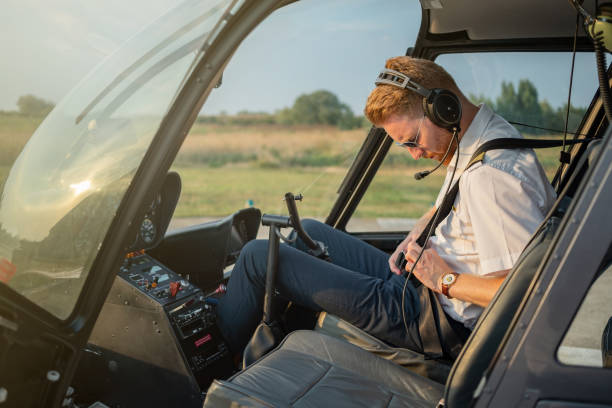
x,y
446,287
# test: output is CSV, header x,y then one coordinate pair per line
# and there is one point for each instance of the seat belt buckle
x,y
401,262
441,404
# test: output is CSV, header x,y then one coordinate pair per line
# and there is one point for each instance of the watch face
x,y
448,279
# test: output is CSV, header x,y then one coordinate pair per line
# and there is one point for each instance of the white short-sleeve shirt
x,y
501,202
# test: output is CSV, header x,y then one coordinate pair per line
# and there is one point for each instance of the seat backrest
x,y
488,334
482,345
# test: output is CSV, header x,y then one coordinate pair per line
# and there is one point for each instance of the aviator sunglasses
x,y
415,141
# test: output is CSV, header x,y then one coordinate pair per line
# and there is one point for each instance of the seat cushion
x,y
331,325
310,369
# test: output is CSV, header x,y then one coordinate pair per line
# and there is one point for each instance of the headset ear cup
x,y
443,108
428,111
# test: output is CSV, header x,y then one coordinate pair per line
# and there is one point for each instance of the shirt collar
x,y
472,138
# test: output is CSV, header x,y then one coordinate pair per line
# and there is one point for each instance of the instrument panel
x,y
154,279
189,312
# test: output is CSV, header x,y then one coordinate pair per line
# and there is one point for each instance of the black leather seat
x,y
310,369
333,326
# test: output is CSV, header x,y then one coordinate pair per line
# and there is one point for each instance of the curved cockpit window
x,y
65,187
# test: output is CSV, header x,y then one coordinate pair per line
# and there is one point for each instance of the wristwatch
x,y
448,280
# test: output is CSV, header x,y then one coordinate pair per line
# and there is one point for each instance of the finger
x,y
413,254
408,252
392,260
394,269
413,244
410,240
414,247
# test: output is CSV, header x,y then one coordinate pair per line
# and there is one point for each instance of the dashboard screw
x,y
53,376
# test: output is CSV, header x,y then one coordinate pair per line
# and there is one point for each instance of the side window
x,y
288,114
395,200
527,88
585,343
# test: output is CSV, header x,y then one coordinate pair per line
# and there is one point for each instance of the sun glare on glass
x,y
81,187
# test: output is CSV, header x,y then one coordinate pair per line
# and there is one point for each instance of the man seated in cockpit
x,y
501,201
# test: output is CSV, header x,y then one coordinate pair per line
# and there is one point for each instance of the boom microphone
x,y
422,174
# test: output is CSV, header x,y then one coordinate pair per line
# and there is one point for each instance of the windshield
x,y
66,185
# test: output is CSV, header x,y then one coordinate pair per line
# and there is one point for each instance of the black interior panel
x,y
201,252
385,241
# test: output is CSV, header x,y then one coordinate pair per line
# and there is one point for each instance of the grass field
x,y
224,166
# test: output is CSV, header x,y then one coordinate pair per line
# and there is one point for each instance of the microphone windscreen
x,y
421,174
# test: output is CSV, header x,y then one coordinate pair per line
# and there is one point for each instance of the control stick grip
x,y
296,223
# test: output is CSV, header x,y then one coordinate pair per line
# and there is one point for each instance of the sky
x,y
340,46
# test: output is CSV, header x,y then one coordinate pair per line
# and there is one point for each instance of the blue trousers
x,y
357,286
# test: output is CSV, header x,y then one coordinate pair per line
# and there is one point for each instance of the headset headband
x,y
396,78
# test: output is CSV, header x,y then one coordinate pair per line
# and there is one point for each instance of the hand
x,y
411,237
430,269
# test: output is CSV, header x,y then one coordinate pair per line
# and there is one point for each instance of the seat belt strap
x,y
477,157
428,328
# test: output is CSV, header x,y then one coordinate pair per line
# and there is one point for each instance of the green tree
x,y
34,106
319,108
507,102
523,105
576,114
284,116
550,117
528,108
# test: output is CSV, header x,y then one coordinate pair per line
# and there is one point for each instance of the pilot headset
x,y
441,106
